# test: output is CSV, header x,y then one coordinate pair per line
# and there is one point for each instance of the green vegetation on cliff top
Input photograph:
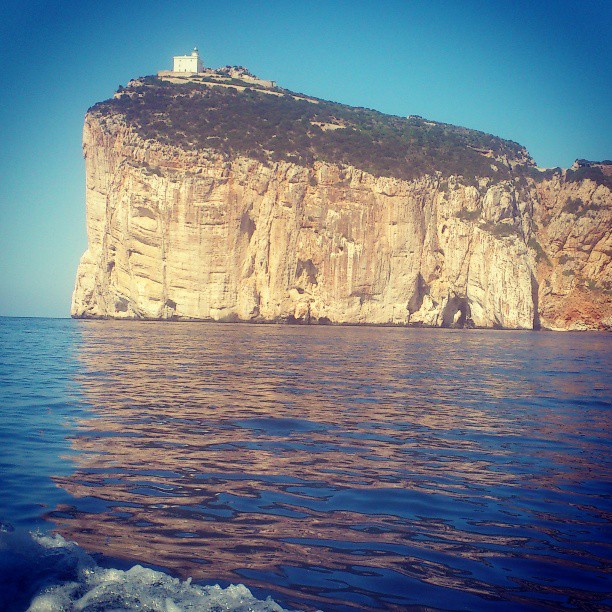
x,y
270,128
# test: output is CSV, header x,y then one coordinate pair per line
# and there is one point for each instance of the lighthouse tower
x,y
188,63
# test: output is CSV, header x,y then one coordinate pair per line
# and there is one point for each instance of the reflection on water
x,y
365,467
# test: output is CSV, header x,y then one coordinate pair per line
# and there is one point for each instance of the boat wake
x,y
46,573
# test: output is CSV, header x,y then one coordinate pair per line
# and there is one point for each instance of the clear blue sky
x,y
535,72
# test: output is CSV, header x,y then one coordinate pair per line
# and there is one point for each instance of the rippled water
x,y
332,468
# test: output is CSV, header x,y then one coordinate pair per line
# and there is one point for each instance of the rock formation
x,y
179,233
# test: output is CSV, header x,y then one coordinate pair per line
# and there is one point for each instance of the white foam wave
x,y
88,587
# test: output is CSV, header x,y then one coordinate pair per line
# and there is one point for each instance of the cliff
x,y
187,224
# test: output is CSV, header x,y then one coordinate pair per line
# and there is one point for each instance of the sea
x,y
202,466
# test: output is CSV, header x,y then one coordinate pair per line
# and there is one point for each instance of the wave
x,y
46,573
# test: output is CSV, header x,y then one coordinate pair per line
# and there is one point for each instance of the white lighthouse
x,y
188,63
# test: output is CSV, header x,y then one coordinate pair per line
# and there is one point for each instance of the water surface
x,y
334,468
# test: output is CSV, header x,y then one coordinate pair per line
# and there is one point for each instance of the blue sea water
x,y
330,468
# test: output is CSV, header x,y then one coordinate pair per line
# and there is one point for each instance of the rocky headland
x,y
219,199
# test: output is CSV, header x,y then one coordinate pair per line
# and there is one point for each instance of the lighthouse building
x,y
188,63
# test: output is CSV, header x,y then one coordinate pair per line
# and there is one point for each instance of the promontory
x,y
217,196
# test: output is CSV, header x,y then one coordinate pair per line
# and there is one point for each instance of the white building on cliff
x,y
188,63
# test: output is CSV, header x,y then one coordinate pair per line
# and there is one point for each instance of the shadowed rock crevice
x,y
535,290
247,225
420,290
308,269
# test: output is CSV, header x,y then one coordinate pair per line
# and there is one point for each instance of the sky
x,y
533,72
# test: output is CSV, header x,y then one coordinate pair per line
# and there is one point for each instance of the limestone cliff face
x,y
191,235
574,221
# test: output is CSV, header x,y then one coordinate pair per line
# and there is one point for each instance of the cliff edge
x,y
215,200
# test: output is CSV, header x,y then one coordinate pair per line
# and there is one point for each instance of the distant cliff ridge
x,y
211,197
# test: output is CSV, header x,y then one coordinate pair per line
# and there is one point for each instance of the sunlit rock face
x,y
574,223
177,234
